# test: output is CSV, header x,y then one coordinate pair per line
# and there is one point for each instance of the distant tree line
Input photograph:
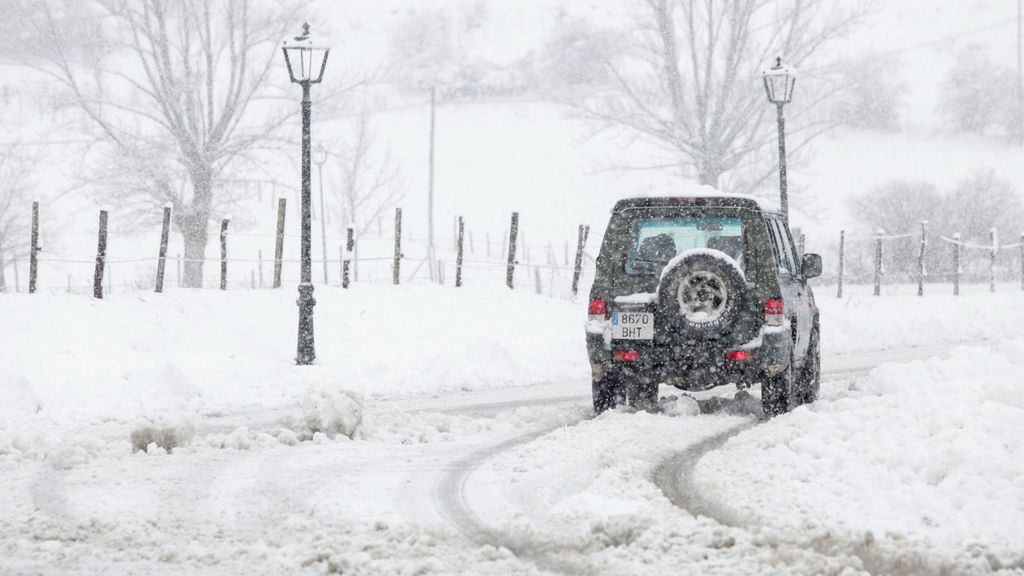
x,y
971,208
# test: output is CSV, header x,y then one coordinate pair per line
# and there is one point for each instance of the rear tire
x,y
810,374
644,396
777,391
608,393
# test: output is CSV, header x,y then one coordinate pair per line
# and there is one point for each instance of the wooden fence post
x,y
396,268
224,253
458,252
994,241
101,257
920,258
350,241
512,237
161,262
842,263
33,255
279,241
878,264
536,280
581,242
956,264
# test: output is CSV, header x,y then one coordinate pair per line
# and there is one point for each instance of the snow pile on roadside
x,y
332,411
71,362
75,363
861,323
930,452
167,431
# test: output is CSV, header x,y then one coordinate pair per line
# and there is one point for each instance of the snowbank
x,y
860,323
122,365
70,360
930,453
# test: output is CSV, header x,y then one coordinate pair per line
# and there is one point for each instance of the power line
x,y
957,36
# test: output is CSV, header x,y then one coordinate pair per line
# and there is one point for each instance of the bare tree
x,y
977,92
690,82
176,94
15,193
371,182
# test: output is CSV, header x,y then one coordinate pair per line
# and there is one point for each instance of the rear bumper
x,y
692,366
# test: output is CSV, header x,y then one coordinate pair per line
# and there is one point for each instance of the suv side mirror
x,y
811,266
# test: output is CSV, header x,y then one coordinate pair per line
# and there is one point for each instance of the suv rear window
x,y
658,240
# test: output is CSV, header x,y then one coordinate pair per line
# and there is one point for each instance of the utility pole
x,y
430,185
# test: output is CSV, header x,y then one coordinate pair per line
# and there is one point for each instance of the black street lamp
x,y
305,58
778,83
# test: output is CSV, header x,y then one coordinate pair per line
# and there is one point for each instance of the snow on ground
x,y
863,322
332,467
582,500
244,502
929,454
185,356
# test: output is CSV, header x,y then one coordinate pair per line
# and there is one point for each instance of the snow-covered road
x,y
540,520
500,481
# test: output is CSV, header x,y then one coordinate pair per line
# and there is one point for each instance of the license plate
x,y
632,325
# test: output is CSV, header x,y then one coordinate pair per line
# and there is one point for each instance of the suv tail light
x,y
597,308
626,355
773,312
739,355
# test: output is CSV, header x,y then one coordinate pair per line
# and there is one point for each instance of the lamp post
x,y
321,159
306,60
778,83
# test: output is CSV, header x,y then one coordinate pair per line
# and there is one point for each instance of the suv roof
x,y
702,195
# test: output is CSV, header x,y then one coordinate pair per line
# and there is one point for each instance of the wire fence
x,y
253,260
923,257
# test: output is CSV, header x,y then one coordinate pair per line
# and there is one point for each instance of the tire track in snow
x,y
675,477
450,492
450,496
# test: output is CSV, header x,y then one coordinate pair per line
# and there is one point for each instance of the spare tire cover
x,y
701,294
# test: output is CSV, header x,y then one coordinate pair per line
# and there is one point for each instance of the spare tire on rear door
x,y
701,294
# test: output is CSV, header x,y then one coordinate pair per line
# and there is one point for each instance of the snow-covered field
x,y
448,431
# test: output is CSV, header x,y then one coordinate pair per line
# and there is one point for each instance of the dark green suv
x,y
700,290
